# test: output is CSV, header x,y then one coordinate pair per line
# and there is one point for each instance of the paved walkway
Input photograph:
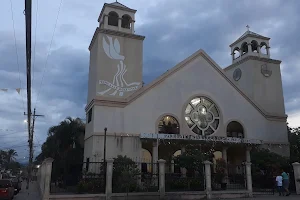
x,y
31,194
273,197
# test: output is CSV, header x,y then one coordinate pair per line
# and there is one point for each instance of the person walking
x,y
279,184
286,182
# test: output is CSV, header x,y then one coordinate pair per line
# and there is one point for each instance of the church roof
x,y
116,5
249,33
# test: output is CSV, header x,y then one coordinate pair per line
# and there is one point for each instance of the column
x,y
109,173
248,155
241,52
224,156
119,23
296,167
132,27
183,170
162,185
249,48
172,166
268,51
105,21
249,178
207,165
232,54
48,170
154,157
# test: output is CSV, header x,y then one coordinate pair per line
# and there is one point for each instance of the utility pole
x,y
30,141
27,12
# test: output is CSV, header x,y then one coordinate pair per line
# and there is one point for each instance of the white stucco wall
x,y
199,78
266,91
170,97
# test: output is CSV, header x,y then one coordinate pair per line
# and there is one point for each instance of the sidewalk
x,y
31,194
273,197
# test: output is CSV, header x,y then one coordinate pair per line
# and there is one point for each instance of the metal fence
x,y
135,177
233,178
86,177
263,180
180,179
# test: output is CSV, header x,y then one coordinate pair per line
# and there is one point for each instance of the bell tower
x,y
116,55
256,73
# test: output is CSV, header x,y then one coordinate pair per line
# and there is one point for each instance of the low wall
x,y
153,196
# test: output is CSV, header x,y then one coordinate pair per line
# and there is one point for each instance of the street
x,y
31,194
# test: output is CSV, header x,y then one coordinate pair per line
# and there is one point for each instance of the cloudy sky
x,y
174,29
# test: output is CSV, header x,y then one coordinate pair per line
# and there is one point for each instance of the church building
x,y
235,107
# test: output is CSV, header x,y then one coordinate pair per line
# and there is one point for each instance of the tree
x,y
294,139
11,155
125,172
7,160
194,156
64,145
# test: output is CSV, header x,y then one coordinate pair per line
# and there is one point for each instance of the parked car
x,y
17,183
6,189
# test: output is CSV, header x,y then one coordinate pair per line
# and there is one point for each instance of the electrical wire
x,y
17,55
46,62
34,46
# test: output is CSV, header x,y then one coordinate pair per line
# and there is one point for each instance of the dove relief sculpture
x,y
119,85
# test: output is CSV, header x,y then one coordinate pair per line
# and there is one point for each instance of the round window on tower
x,y
237,74
202,116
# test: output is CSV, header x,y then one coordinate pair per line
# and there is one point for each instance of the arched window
x,y
168,125
263,48
254,46
126,21
202,116
235,129
244,48
113,18
236,53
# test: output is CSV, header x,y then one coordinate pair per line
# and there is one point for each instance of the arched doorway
x,y
146,161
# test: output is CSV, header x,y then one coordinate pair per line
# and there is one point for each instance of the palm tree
x,y
11,155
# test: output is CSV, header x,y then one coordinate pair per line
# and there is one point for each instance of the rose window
x,y
202,116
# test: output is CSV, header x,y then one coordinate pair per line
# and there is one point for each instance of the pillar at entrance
x,y
162,185
183,170
248,155
207,165
224,156
249,178
155,157
172,166
296,167
109,173
224,153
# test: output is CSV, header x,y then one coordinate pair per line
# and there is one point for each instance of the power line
x,y
34,46
46,62
17,55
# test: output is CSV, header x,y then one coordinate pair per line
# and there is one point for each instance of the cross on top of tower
x,y
248,27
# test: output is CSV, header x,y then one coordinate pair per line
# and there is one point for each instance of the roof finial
x,y
248,28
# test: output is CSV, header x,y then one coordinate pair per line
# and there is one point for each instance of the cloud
x,y
173,30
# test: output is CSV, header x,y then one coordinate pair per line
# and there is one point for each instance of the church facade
x,y
239,106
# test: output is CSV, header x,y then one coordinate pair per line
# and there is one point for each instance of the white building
x,y
196,97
